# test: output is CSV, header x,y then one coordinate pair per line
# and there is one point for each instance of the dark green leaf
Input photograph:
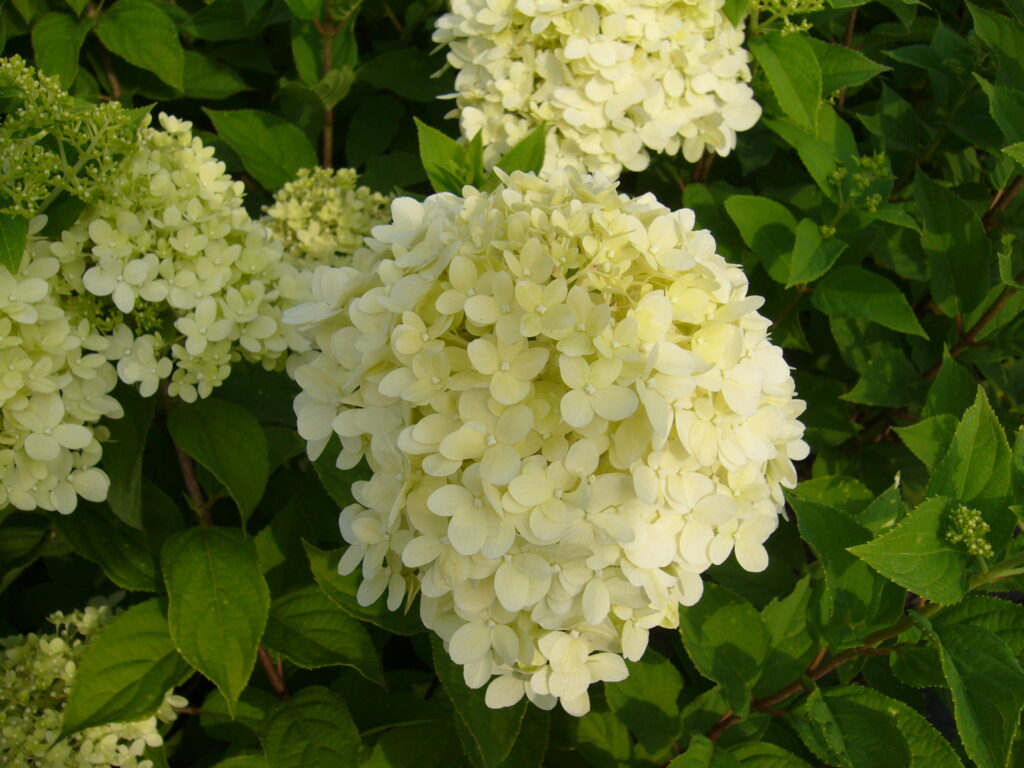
x,y
793,72
491,732
314,728
305,9
407,72
953,390
218,604
792,644
987,685
207,78
526,156
929,439
227,440
312,631
754,754
143,35
243,727
122,552
122,455
342,590
1003,618
57,39
727,640
843,67
13,239
917,556
272,149
812,256
126,671
646,700
853,292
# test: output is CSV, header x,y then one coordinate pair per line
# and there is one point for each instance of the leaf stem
x,y
999,203
275,673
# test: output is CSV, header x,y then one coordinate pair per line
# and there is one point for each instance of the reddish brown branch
x,y
195,492
999,203
274,673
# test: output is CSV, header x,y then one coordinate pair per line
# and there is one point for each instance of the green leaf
x,y
976,470
526,156
143,35
792,644
444,160
953,390
987,685
227,440
703,753
793,73
754,754
490,733
768,229
125,671
342,590
646,700
603,741
853,292
530,749
916,555
843,67
844,731
373,128
929,439
823,149
1016,151
1005,104
13,239
312,631
735,10
243,726
305,9
1002,618
122,552
334,86
272,149
404,747
122,454
1005,36
57,39
313,728
727,640
243,761
207,78
857,598
812,256
218,604
954,240
408,72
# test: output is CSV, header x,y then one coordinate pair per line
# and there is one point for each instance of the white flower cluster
x,y
36,675
571,409
185,281
613,78
323,214
52,391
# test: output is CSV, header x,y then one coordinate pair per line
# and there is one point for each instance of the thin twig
x,y
851,22
327,32
195,492
999,203
969,339
274,674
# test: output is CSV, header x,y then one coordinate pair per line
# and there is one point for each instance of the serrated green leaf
x,y
884,511
57,39
122,552
492,732
125,671
929,439
976,469
243,725
309,629
1016,151
143,35
768,229
823,149
843,67
1005,105
792,644
1006,37
1003,618
764,755
916,555
853,292
953,390
526,156
727,640
793,72
313,728
987,686
704,753
343,589
13,239
447,163
219,603
272,149
646,700
227,440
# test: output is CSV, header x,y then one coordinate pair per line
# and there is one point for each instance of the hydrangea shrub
x,y
661,410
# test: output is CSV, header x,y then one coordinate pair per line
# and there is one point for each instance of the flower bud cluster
x,y
36,676
189,282
323,213
53,390
968,527
614,79
571,409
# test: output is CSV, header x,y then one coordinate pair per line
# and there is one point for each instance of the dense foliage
x,y
187,323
